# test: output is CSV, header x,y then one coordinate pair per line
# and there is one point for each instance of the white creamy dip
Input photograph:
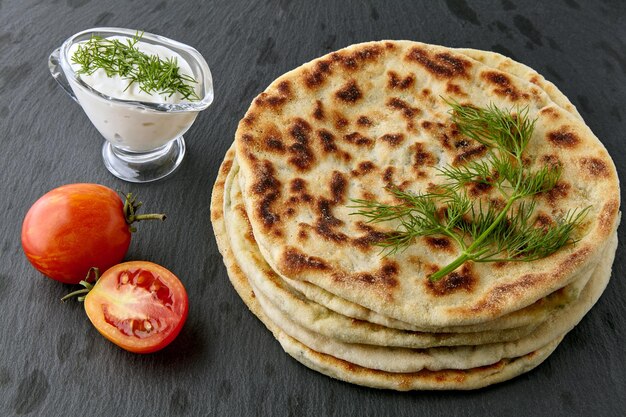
x,y
127,126
118,87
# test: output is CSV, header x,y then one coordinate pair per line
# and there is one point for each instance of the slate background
x,y
53,363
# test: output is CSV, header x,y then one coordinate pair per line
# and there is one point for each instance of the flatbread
x,y
347,124
518,322
343,370
320,319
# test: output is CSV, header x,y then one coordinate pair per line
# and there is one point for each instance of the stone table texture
x,y
225,363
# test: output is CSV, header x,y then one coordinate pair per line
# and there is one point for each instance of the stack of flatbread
x,y
346,126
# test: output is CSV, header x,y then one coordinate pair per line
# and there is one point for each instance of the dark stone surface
x,y
53,363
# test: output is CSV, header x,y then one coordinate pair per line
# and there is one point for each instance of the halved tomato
x,y
140,306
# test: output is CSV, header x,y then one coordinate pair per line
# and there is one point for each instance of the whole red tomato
x,y
140,306
78,226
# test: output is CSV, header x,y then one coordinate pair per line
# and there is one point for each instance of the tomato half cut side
x,y
140,306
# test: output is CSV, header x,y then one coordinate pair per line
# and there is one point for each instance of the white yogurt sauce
x,y
119,88
129,127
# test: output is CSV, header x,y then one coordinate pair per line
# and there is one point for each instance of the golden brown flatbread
x,y
346,125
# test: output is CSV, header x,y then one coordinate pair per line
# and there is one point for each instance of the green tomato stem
x,y
75,293
130,208
85,283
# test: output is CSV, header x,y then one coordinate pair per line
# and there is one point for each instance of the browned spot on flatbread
x,y
298,185
448,136
559,191
338,184
595,167
318,112
275,101
284,87
268,186
606,219
422,158
439,243
366,195
455,89
315,78
364,121
249,119
247,138
459,280
226,166
340,121
543,221
476,189
326,222
294,262
385,278
399,83
371,237
564,138
328,141
302,157
388,174
350,93
266,180
351,60
497,203
356,138
407,110
462,143
550,112
266,100
442,64
266,212
469,154
502,85
324,209
552,161
393,139
303,234
273,141
364,168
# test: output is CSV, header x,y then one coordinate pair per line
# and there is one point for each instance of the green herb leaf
x,y
485,232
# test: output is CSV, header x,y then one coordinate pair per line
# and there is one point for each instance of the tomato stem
x,y
85,283
75,293
131,205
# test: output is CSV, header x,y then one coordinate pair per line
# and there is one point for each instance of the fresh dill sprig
x,y
485,232
153,74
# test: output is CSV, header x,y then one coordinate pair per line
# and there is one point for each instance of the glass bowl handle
x,y
57,73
